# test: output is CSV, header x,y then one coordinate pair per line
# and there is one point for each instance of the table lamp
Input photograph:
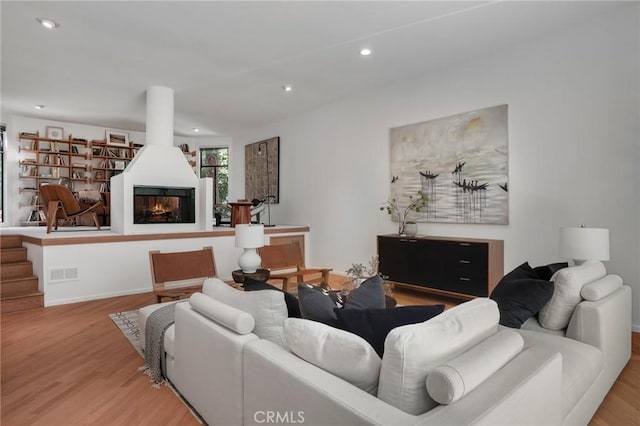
x,y
582,244
249,237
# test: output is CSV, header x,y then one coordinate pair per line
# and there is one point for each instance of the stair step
x,y
16,269
9,255
10,241
22,303
18,286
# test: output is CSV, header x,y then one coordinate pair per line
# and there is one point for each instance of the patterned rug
x,y
127,322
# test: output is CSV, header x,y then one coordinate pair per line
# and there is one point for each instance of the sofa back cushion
x,y
339,352
411,352
267,308
567,285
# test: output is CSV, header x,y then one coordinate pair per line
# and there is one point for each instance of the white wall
x,y
14,213
573,149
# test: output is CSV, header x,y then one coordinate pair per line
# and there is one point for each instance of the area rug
x,y
127,322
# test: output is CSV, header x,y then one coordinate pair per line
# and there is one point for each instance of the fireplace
x,y
162,204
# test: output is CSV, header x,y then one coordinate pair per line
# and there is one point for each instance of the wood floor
x,y
67,365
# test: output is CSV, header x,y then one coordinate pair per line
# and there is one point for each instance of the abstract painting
x,y
262,170
460,162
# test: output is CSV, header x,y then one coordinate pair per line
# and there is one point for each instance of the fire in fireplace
x,y
153,204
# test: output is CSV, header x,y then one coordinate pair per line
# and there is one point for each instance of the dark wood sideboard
x,y
458,267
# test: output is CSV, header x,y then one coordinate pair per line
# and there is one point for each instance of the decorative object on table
x,y
249,237
262,172
54,132
240,212
241,277
460,162
117,138
582,244
359,273
401,212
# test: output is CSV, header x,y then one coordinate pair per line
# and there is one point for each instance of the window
x,y
214,163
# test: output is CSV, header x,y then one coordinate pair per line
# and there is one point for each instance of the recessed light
x,y
196,130
365,52
287,88
39,106
49,24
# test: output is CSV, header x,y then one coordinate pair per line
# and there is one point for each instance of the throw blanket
x,y
156,326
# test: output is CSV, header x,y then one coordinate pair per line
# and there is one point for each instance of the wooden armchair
x,y
182,269
286,262
60,204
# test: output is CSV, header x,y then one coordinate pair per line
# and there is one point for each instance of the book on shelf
x,y
42,216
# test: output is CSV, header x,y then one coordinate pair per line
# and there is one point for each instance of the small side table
x,y
259,275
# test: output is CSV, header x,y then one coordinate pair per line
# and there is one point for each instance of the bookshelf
x,y
43,159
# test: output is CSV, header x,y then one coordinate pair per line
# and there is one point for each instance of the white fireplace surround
x,y
159,163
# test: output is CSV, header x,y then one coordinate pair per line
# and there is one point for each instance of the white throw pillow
x,y
339,352
567,285
411,352
267,307
453,380
601,288
239,321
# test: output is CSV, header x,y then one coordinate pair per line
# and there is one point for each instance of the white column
x,y
159,116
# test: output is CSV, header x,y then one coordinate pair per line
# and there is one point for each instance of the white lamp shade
x,y
582,244
249,236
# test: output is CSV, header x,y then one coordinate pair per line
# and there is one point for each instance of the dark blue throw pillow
x,y
545,272
373,325
293,307
318,304
520,295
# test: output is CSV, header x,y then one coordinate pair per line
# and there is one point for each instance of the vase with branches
x,y
416,204
359,273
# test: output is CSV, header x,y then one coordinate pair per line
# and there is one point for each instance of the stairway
x,y
18,285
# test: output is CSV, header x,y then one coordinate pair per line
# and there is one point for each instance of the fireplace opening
x,y
152,204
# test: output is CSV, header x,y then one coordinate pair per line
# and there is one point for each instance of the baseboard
x,y
66,301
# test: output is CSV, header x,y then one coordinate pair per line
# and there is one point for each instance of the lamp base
x,y
249,261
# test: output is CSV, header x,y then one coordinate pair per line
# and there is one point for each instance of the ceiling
x,y
227,61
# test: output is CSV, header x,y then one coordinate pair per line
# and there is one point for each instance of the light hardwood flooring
x,y
70,364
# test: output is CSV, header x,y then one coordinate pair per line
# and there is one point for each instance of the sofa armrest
x,y
208,366
277,383
605,324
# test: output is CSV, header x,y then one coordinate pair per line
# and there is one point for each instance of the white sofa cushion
x,y
267,307
581,363
567,285
413,351
451,381
232,318
339,352
601,288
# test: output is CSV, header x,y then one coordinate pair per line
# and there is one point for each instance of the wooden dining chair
x,y
179,274
60,204
286,263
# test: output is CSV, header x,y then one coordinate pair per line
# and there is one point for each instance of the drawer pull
x,y
464,244
465,279
464,261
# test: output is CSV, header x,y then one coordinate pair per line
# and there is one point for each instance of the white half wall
x,y
574,149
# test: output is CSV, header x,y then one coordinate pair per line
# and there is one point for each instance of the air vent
x,y
63,274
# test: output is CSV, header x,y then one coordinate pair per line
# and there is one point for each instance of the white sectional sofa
x,y
229,356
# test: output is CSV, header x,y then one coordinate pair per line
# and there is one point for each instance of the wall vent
x,y
63,274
